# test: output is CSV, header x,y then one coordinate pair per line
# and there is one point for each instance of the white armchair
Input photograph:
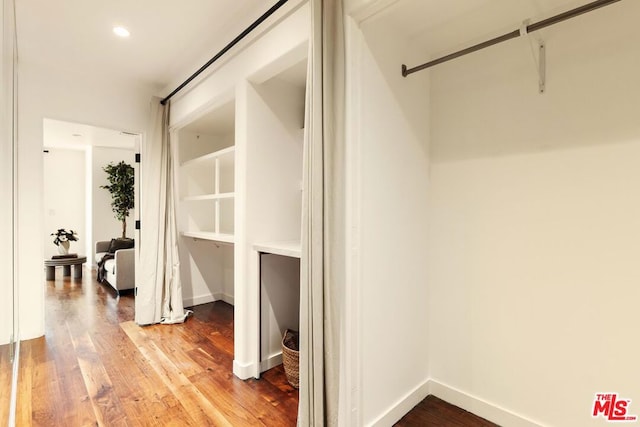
x,y
120,272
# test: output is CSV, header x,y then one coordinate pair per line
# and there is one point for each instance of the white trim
x,y
213,196
208,235
243,370
403,406
207,298
198,300
290,248
271,361
351,404
479,407
466,401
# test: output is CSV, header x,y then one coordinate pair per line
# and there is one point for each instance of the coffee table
x,y
66,264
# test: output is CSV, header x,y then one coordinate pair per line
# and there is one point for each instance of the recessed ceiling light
x,y
121,31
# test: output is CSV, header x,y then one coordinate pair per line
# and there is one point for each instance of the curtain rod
x,y
512,35
225,49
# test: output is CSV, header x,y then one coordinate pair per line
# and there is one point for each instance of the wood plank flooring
x,y
435,412
95,366
6,373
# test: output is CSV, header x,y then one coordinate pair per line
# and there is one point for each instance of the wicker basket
x,y
290,357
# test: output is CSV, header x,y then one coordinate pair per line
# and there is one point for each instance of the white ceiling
x,y
76,136
169,39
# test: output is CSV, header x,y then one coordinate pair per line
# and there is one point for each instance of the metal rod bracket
x,y
542,67
522,31
524,28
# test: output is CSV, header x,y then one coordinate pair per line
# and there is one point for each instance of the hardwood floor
x,y
95,366
436,412
6,373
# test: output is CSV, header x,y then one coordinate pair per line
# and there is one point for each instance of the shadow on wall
x,y
203,272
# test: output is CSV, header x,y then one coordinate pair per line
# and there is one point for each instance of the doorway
x,y
73,198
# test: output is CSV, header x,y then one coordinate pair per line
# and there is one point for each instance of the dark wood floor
x,y
436,412
95,366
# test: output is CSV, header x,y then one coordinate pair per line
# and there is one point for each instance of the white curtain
x,y
323,254
159,295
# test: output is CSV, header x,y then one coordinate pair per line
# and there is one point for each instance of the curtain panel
x,y
323,255
159,293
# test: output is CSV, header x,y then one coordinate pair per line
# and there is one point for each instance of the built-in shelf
x,y
209,197
291,248
206,235
207,192
211,156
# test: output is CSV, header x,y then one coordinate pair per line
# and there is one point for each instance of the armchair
x,y
119,271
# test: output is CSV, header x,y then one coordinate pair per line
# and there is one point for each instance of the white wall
x,y
534,278
390,171
7,157
78,97
64,173
204,264
274,144
534,223
280,305
105,226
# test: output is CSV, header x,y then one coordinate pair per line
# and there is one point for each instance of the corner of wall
x,y
468,402
401,407
479,407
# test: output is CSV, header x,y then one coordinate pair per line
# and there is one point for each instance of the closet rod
x,y
225,49
512,35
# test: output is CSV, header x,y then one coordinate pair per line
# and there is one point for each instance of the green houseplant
x,y
120,177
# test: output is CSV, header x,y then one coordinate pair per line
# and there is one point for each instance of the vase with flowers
x,y
63,239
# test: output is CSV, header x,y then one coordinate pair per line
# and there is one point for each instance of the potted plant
x,y
63,237
120,177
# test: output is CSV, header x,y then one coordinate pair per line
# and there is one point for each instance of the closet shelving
x,y
256,139
207,194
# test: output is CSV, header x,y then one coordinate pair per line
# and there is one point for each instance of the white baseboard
x,y
224,297
456,397
197,300
479,407
243,370
248,370
271,361
204,299
401,407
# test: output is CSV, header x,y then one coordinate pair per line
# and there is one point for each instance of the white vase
x,y
63,248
